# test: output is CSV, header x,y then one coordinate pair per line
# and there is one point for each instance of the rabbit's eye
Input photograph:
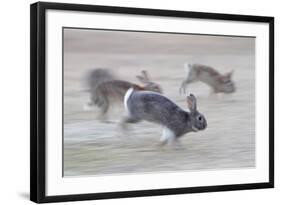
x,y
200,118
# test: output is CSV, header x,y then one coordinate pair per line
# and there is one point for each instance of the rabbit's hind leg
x,y
90,105
102,101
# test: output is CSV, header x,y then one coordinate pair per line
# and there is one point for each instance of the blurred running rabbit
x,y
106,89
156,108
220,83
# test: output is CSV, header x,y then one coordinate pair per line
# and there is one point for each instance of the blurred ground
x,y
93,147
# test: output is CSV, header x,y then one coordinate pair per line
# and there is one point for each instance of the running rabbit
x,y
156,108
220,83
106,89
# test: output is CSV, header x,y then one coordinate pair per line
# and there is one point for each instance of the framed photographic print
x,y
129,102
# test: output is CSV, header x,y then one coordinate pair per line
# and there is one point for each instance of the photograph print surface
x,y
150,102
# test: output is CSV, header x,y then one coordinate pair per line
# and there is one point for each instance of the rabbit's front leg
x,y
168,136
127,120
182,89
184,84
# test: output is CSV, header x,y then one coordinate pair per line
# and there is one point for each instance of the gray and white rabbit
x,y
220,83
106,89
156,108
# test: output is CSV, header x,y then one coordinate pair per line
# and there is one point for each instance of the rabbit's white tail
x,y
127,96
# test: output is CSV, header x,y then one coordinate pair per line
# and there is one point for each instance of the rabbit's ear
x,y
144,77
141,79
191,102
229,74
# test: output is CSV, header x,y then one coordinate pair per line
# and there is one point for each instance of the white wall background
x,y
14,101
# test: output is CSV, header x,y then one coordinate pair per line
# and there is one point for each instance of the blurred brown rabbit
x,y
220,83
105,89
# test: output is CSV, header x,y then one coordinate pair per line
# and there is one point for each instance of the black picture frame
x,y
38,100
